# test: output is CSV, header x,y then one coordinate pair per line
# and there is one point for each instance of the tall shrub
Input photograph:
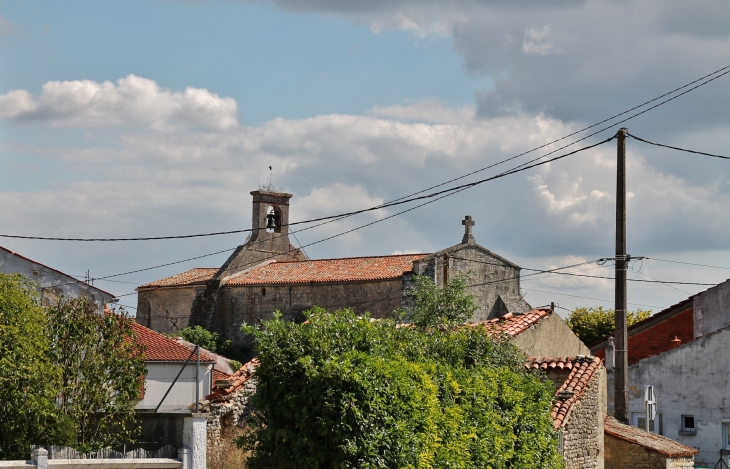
x,y
342,391
28,379
101,366
594,324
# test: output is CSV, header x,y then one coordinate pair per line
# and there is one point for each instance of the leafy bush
x,y
594,324
101,365
342,391
28,379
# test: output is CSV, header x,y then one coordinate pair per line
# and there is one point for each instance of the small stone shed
x,y
628,446
579,409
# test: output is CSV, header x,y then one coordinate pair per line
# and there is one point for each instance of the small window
x,y
655,426
263,292
688,423
726,436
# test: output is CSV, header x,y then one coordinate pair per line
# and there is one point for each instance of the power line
x,y
457,189
688,263
677,148
586,297
555,272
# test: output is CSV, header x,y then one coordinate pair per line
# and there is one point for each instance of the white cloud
x,y
130,101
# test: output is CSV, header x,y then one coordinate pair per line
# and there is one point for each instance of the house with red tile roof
x,y
579,408
268,274
166,360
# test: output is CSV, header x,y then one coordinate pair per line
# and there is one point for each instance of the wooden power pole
x,y
621,373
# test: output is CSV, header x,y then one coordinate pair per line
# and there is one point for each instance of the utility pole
x,y
621,377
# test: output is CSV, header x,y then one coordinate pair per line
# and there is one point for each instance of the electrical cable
x,y
677,148
587,297
688,263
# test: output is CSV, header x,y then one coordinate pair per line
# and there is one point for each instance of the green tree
x,y
344,391
28,379
101,365
212,341
449,305
594,324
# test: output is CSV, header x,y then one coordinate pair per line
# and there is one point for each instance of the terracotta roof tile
x,y
650,441
159,348
580,370
351,269
218,374
515,324
239,378
197,276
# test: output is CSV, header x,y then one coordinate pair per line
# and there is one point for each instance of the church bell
x,y
271,221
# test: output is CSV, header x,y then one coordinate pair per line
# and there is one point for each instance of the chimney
x,y
610,355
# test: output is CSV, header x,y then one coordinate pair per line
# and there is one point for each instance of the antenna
x,y
271,176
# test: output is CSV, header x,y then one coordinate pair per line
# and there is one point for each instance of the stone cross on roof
x,y
468,223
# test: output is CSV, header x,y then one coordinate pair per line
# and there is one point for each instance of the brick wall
x,y
583,430
657,339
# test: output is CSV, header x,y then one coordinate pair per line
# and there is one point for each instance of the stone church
x,y
267,274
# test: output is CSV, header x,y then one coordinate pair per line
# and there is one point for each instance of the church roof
x,y
197,276
350,269
574,374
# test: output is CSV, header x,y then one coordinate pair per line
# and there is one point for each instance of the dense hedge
x,y
341,391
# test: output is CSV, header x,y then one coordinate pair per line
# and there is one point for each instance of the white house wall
x,y
51,284
161,375
692,379
712,309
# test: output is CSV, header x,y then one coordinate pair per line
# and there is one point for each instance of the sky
x,y
157,118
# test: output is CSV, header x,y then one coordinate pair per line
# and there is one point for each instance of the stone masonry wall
x,y
252,304
228,415
166,310
621,454
583,431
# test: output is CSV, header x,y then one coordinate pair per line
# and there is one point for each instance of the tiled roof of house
x,y
580,370
159,348
197,276
515,324
218,374
239,378
351,269
647,440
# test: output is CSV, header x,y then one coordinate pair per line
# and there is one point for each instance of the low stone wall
x,y
229,414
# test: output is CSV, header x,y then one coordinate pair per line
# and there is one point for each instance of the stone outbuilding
x,y
267,274
579,409
628,446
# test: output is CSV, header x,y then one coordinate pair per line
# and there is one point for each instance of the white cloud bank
x,y
132,100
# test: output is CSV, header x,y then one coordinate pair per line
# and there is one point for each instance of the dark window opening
x,y
263,292
688,423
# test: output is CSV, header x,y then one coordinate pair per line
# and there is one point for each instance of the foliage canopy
x,y
69,375
101,365
342,391
440,307
27,376
594,324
